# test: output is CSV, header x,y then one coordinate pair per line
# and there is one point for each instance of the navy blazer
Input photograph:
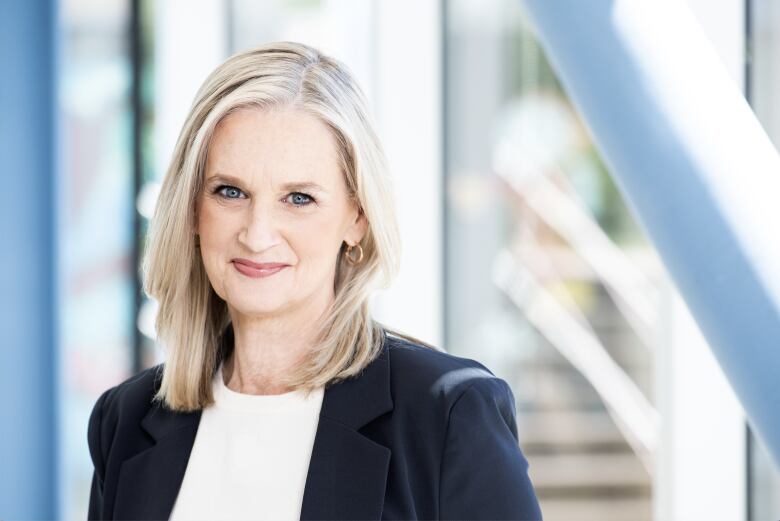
x,y
419,434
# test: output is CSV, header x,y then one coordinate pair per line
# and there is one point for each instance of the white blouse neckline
x,y
292,401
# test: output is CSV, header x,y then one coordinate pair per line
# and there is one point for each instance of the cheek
x,y
215,224
216,229
318,241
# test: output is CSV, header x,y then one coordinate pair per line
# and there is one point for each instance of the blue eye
x,y
300,197
229,192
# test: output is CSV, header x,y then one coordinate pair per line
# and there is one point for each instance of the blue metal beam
x,y
28,364
695,166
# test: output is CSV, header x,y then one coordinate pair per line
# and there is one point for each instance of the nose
x,y
259,231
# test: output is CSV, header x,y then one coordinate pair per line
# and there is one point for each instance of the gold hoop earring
x,y
348,255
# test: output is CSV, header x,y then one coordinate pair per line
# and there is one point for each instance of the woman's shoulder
x,y
419,368
135,391
416,354
123,404
131,398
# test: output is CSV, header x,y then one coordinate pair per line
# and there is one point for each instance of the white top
x,y
251,456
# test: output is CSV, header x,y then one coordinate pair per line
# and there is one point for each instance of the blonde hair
x,y
193,323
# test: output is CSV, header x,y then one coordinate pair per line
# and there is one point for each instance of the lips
x,y
257,270
261,265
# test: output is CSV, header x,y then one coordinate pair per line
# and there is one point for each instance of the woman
x,y
280,397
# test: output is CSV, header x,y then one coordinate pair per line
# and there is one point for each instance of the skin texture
x,y
245,211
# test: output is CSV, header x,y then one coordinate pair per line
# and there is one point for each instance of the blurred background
x,y
518,248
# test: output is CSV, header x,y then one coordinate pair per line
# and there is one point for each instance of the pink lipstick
x,y
257,270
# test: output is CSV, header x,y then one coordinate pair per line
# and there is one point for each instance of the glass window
x,y
95,226
764,84
540,247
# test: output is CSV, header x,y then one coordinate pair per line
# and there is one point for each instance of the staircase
x,y
580,464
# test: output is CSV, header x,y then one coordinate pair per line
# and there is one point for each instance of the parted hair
x,y
193,323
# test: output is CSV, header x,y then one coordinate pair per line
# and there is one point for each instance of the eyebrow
x,y
292,186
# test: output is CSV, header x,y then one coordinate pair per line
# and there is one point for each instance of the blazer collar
x,y
347,472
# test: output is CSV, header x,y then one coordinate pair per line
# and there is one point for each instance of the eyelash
x,y
218,190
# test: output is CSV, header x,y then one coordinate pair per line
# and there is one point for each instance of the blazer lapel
x,y
149,481
347,472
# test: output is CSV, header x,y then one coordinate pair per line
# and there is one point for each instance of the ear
x,y
357,230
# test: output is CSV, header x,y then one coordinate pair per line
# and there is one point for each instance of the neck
x,y
268,347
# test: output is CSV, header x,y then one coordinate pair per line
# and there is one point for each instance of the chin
x,y
254,306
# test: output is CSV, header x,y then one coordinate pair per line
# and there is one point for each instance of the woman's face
x,y
273,192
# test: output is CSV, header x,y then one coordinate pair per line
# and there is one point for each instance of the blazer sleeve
x,y
484,474
94,437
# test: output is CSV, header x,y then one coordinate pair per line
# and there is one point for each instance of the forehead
x,y
272,145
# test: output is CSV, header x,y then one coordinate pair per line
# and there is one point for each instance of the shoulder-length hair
x,y
193,323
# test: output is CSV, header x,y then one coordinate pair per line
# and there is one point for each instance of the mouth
x,y
255,270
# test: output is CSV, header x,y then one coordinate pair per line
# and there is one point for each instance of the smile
x,y
254,272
